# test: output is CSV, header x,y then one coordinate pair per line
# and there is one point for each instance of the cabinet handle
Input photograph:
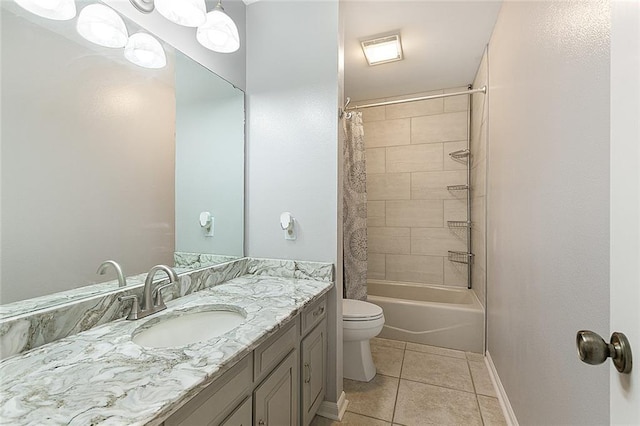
x,y
261,422
320,311
307,367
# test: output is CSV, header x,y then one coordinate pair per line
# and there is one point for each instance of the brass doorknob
x,y
593,350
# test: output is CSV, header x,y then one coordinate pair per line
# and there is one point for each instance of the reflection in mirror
x,y
103,159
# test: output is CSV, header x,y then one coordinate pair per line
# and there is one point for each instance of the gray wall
x,y
230,66
293,79
292,85
548,206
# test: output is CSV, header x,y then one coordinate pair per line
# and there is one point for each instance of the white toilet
x,y
361,321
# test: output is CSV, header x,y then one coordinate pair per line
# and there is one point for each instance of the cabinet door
x,y
276,398
241,416
314,348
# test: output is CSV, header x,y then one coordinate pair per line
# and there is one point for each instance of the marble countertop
x,y
101,377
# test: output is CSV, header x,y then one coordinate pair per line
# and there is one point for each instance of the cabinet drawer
x,y
313,314
242,416
206,407
274,349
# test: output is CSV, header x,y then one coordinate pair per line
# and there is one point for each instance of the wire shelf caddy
x,y
459,154
460,257
459,223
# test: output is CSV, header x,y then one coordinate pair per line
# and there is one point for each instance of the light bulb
x,y
59,10
190,13
102,25
219,33
144,50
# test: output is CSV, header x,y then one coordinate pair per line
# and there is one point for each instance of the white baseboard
x,y
509,415
334,410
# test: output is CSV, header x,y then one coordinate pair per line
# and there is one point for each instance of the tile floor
x,y
421,385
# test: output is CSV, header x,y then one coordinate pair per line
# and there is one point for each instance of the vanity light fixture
x,y
146,51
59,10
102,25
219,33
383,49
189,13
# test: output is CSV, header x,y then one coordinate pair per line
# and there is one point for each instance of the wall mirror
x,y
105,159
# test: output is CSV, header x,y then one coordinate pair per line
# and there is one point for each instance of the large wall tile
x,y
437,241
414,158
375,213
387,133
456,103
389,186
372,114
452,163
389,240
455,274
376,266
417,108
414,213
376,160
455,209
421,269
433,185
439,128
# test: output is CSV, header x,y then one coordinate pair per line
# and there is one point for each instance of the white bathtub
x,y
432,315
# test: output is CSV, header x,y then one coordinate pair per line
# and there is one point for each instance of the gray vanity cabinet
x,y
313,357
264,388
276,398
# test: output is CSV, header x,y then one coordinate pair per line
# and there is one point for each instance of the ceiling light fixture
x,y
146,51
189,13
59,10
102,25
383,50
219,33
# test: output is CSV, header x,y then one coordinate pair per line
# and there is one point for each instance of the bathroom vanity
x,y
269,370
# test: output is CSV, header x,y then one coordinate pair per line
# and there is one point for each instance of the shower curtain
x,y
355,209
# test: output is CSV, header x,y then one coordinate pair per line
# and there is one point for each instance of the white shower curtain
x,y
355,209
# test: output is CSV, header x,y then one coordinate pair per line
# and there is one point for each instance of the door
x,y
313,354
276,399
625,204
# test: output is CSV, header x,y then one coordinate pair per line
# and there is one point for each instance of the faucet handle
x,y
135,306
157,295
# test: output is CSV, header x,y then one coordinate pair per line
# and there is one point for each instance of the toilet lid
x,y
359,310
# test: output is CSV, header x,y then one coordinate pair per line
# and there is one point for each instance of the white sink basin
x,y
189,327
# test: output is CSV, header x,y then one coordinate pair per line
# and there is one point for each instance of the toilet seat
x,y
357,310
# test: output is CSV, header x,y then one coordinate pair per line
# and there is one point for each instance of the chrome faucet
x,y
102,269
152,301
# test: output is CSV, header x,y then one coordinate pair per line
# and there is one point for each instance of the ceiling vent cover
x,y
383,49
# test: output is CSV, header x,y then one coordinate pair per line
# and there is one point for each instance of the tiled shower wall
x,y
408,170
479,116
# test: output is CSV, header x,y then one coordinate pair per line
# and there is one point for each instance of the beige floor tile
x,y
422,404
375,398
481,379
491,411
349,419
388,360
472,356
388,342
435,350
437,370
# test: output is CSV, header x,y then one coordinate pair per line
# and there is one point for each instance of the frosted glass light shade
x,y
219,33
59,10
190,13
144,50
102,25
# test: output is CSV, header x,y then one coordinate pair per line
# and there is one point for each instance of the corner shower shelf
x,y
458,224
460,154
460,257
457,187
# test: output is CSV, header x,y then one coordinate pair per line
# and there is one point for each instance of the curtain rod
x,y
483,89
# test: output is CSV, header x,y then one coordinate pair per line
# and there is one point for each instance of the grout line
x,y
395,404
475,392
437,386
